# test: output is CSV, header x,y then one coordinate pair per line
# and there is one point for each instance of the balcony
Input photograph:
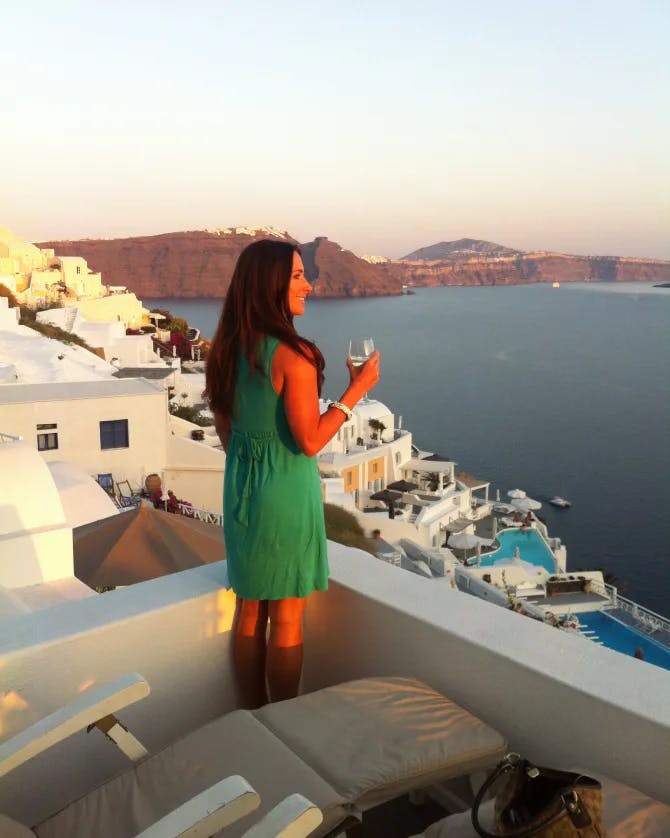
x,y
556,701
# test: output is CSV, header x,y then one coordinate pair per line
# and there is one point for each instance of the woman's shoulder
x,y
288,359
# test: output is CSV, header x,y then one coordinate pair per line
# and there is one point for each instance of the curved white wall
x,y
35,539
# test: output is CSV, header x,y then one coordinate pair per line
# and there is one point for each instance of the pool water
x,y
625,639
531,549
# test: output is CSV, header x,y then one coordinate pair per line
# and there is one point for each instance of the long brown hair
x,y
256,305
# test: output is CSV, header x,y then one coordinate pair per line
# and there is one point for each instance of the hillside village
x,y
91,380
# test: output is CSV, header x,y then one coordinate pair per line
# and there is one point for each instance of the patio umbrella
x,y
526,504
464,541
403,486
516,493
143,544
504,508
386,496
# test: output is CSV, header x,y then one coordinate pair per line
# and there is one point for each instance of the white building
x,y
117,426
369,452
39,279
365,454
120,349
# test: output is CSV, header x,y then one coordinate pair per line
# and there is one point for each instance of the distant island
x,y
199,264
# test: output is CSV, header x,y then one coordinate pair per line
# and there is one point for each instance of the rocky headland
x,y
200,264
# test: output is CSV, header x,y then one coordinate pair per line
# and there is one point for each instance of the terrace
x,y
556,701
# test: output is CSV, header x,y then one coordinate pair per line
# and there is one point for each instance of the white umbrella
x,y
467,541
526,504
463,540
504,508
516,493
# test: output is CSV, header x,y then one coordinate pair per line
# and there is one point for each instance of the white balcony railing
x,y
644,620
9,437
201,514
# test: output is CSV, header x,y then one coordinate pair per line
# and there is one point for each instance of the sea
x,y
555,391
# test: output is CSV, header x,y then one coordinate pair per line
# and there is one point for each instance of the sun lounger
x,y
345,748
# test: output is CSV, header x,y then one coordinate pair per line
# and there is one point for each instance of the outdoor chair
x,y
125,495
206,813
346,748
107,483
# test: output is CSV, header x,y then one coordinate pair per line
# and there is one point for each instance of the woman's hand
x,y
367,375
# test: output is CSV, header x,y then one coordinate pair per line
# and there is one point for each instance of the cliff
x,y
200,264
339,273
526,268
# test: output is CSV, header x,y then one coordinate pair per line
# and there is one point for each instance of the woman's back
x,y
258,408
273,509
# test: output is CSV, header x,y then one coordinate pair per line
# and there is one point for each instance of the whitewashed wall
x,y
78,423
559,699
35,539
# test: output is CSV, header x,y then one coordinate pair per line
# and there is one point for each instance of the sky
x,y
386,126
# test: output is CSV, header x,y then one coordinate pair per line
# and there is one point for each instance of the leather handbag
x,y
542,802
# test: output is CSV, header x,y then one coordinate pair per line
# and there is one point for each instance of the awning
x,y
471,481
424,465
458,525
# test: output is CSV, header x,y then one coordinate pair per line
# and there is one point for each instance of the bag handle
x,y
507,764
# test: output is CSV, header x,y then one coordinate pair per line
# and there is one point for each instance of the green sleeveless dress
x,y
272,505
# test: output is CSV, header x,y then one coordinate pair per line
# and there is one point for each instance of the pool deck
x,y
594,601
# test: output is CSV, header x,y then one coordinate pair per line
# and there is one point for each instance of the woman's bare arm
x,y
294,377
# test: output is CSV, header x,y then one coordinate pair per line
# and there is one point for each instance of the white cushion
x,y
345,748
376,738
13,829
627,813
234,744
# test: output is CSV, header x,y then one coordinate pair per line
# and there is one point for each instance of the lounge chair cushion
x,y
234,744
10,828
376,738
345,748
627,813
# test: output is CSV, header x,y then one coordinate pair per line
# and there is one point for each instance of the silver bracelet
x,y
343,408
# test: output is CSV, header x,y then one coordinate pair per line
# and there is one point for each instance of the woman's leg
x,y
249,649
284,657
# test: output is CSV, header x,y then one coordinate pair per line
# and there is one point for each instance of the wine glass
x,y
359,352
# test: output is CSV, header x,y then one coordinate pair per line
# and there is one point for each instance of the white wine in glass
x,y
359,352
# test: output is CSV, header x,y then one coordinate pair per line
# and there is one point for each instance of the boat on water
x,y
562,503
555,284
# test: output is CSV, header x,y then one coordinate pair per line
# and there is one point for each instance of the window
x,y
397,458
78,269
47,441
114,434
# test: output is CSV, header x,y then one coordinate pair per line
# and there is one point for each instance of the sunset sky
x,y
386,126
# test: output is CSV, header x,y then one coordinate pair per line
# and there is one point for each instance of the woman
x,y
263,383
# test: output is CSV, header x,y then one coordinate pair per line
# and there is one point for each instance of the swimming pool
x,y
531,549
625,639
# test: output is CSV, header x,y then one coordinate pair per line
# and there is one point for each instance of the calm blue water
x,y
616,635
554,391
531,549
